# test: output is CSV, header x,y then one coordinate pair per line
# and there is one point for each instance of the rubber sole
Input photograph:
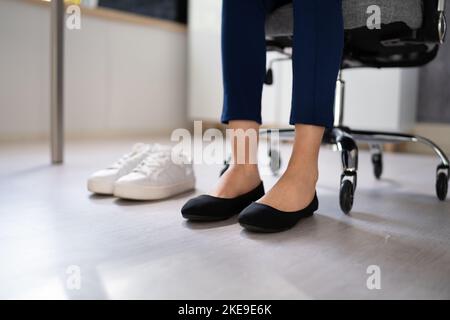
x,y
148,193
260,229
102,188
257,229
194,218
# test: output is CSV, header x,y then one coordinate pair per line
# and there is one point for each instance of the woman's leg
x,y
243,58
317,54
244,69
318,45
296,187
242,175
244,64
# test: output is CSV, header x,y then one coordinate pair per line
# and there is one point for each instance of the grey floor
x,y
49,222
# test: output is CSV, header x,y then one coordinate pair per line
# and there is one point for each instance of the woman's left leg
x,y
317,53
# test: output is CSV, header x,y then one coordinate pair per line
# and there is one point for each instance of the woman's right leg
x,y
244,69
243,59
243,175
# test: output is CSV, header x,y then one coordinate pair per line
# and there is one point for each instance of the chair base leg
x,y
346,139
377,138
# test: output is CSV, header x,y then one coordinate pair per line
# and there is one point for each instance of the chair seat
x,y
280,22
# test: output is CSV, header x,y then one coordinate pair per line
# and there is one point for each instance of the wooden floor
x,y
133,250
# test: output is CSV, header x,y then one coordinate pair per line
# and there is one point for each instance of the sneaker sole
x,y
101,188
147,193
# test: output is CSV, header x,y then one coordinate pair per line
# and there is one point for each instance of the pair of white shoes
x,y
147,173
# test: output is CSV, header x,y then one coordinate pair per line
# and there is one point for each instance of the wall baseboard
x,y
86,136
438,133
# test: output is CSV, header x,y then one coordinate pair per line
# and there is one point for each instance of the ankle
x,y
247,170
301,173
244,167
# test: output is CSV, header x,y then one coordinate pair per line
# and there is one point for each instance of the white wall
x,y
205,67
383,99
121,78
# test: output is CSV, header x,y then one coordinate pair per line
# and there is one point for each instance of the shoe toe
x,y
102,182
129,187
252,216
190,208
203,208
196,208
130,179
261,218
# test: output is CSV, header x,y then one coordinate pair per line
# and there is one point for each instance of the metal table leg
x,y
57,82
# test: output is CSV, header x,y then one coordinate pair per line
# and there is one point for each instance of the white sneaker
x,y
157,177
102,182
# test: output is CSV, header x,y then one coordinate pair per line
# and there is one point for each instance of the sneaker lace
x,y
153,164
135,150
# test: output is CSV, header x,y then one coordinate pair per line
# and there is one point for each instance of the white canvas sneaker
x,y
157,177
102,182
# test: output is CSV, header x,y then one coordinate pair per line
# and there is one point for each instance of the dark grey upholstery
x,y
280,23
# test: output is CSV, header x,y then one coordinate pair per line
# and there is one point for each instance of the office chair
x,y
410,34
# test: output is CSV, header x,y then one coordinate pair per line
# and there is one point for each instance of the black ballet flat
x,y
259,217
209,208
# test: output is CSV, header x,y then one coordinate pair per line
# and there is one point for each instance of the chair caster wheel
x,y
347,192
275,161
377,161
269,77
442,184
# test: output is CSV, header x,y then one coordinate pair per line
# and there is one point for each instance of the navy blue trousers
x,y
317,51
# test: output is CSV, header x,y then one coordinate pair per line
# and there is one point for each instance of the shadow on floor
x,y
131,203
210,225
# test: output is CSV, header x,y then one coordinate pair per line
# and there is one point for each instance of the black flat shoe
x,y
209,208
259,217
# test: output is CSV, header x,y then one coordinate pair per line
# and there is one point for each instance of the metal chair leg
x,y
379,137
57,82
